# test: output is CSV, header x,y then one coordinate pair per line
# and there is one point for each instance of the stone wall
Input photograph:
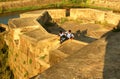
x,y
91,15
32,14
33,58
30,57
44,18
57,13
54,13
95,15
29,44
112,18
114,4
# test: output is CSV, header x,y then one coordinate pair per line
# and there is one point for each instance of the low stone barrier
x,y
29,44
54,13
95,15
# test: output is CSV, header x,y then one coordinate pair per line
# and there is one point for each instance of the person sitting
x,y
69,35
62,36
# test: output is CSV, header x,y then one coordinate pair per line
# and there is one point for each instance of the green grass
x,y
30,61
63,20
100,8
21,9
26,74
1,10
43,57
62,4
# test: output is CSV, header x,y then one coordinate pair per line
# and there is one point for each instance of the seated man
x,y
69,34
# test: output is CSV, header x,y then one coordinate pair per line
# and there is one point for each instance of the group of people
x,y
65,35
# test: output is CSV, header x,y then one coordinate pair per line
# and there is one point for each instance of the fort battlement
x,y
32,49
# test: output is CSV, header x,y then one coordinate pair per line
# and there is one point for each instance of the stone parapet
x,y
54,13
57,13
112,18
89,14
95,15
34,57
114,4
29,45
32,14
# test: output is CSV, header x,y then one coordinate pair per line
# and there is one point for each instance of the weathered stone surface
x,y
57,13
31,47
99,59
66,49
32,14
85,30
88,14
114,4
95,15
54,13
112,18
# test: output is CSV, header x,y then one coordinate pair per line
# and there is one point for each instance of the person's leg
x,y
60,40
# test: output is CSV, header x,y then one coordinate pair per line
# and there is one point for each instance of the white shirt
x,y
69,35
61,34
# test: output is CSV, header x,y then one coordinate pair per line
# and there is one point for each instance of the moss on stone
x,y
5,72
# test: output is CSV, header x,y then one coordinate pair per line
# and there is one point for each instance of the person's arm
x,y
59,34
72,36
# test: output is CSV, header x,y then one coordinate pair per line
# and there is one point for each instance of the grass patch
x,y
43,57
21,9
1,10
100,8
26,74
62,4
30,61
105,23
79,21
97,22
63,20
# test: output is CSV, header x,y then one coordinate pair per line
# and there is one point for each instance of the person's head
x,y
69,31
60,31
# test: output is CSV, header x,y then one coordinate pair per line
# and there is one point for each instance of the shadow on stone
x,y
82,36
111,68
